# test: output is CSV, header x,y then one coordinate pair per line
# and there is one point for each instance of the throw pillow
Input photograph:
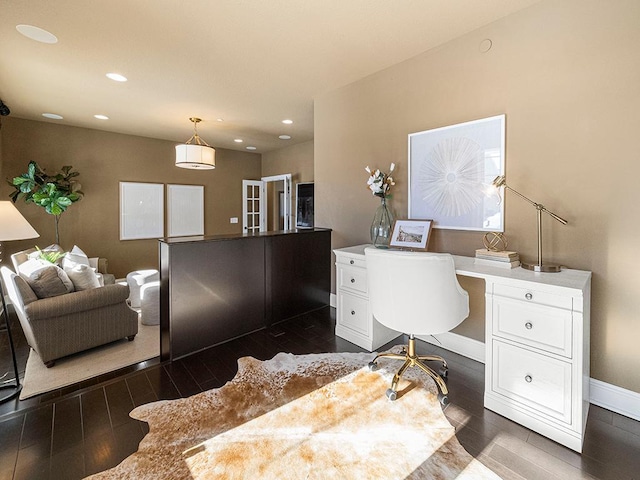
x,y
46,280
83,277
75,257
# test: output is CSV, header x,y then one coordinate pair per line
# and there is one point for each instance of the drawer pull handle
x,y
353,280
351,262
528,325
528,379
528,296
353,312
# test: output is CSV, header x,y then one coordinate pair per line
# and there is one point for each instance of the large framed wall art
x,y
185,210
451,170
141,210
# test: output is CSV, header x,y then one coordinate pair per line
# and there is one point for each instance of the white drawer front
x,y
354,313
532,379
351,261
533,296
539,326
352,279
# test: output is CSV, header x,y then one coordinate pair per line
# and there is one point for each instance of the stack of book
x,y
504,259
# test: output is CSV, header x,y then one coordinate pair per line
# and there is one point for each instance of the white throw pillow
x,y
83,277
75,257
45,279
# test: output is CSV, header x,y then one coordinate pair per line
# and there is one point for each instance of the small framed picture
x,y
413,234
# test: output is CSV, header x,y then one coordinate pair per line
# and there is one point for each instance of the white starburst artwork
x,y
451,169
448,178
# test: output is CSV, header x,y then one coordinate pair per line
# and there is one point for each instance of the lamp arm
x,y
553,215
539,206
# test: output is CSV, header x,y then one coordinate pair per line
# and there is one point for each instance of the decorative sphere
x,y
495,241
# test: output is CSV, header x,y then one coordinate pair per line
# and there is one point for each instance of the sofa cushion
x,y
83,277
45,279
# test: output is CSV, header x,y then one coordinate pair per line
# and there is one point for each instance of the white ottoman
x,y
150,303
137,279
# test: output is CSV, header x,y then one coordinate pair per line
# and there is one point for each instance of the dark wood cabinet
x,y
214,289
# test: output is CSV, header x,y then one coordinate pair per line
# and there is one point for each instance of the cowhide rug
x,y
321,416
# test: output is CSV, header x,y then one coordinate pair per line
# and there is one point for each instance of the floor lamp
x,y
13,226
540,266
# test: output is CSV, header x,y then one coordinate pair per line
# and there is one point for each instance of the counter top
x,y
236,236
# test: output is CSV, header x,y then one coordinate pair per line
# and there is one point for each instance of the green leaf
x,y
63,201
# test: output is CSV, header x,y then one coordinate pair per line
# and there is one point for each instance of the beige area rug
x,y
91,363
319,416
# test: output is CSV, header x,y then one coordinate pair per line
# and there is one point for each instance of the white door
x,y
286,180
253,217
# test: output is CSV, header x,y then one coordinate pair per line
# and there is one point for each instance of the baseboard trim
x,y
465,346
614,398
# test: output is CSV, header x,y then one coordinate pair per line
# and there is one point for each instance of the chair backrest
x,y
415,292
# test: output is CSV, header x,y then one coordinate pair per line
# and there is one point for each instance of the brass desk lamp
x,y
501,181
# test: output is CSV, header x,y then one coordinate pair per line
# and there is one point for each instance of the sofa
x,y
70,321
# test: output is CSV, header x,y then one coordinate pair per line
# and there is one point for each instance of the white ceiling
x,y
251,62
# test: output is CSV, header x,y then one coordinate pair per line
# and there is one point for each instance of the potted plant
x,y
55,193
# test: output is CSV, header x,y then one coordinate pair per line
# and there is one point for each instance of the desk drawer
x,y
539,326
533,296
354,261
532,379
352,279
353,313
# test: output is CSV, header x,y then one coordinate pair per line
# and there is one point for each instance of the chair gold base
x,y
412,360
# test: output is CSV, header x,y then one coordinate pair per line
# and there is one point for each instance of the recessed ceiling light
x,y
117,77
53,116
101,117
251,147
285,137
287,121
237,140
37,34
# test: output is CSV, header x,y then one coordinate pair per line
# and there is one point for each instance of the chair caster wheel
x,y
443,399
373,366
391,394
444,372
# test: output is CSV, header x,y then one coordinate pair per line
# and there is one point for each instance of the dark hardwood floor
x,y
84,429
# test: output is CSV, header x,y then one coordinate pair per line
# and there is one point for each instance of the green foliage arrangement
x,y
50,255
55,193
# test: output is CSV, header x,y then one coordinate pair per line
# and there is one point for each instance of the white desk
x,y
537,328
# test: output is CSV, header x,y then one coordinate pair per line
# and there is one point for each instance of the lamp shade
x,y
13,225
201,157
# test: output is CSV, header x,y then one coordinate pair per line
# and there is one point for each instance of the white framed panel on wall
x,y
185,210
141,210
451,170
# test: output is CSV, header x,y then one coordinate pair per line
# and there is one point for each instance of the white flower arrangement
x,y
380,183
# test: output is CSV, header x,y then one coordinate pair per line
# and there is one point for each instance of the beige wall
x,y
296,160
104,159
567,76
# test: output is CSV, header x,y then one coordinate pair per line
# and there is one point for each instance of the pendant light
x,y
197,155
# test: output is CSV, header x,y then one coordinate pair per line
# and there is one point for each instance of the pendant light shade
x,y
195,153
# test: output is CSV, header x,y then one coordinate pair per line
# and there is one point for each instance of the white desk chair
x,y
416,293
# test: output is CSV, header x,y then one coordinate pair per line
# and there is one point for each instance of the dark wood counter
x,y
216,288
